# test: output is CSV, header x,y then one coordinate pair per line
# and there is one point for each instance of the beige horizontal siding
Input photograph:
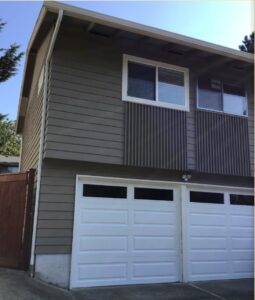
x,y
58,154
31,132
85,114
84,141
32,124
54,232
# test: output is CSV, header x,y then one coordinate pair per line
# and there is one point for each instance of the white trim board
x,y
117,180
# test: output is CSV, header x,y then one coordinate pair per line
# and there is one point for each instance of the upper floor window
x,y
155,83
216,95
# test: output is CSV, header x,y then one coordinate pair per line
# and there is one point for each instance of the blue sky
x,y
220,22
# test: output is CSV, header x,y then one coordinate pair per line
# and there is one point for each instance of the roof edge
x,y
131,26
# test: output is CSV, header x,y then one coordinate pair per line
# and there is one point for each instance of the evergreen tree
x,y
248,44
9,59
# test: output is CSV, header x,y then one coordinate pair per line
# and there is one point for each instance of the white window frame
x,y
156,64
223,109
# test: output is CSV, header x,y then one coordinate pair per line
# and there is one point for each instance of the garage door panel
x,y
241,209
241,232
103,243
101,271
148,230
103,230
154,206
212,255
242,254
242,266
215,267
207,219
97,216
100,203
242,221
102,257
154,269
242,243
153,243
206,209
208,231
212,243
155,218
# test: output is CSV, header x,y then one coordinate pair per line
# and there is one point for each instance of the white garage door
x,y
219,235
125,234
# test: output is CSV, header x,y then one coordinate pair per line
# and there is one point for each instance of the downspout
x,y
44,105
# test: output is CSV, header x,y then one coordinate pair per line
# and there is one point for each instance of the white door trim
x,y
148,182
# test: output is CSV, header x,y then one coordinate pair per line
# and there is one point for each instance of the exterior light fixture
x,y
186,177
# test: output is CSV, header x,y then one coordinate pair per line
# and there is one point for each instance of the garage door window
x,y
153,194
203,197
104,191
241,199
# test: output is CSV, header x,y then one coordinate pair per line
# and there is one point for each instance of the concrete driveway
x,y
17,285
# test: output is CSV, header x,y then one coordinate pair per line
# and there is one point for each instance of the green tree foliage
x,y
9,140
248,44
9,60
2,117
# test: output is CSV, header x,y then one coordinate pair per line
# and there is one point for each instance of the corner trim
x,y
43,116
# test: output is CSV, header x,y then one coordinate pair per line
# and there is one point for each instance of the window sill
x,y
155,103
221,112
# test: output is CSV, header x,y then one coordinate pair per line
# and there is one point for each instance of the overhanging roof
x,y
119,24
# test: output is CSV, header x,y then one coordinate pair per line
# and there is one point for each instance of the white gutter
x,y
39,172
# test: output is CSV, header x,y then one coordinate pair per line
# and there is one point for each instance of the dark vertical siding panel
x,y
250,96
191,130
222,144
156,137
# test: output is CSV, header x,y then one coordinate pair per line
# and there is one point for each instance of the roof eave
x,y
118,23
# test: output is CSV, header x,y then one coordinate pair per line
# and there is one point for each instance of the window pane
x,y
104,191
234,100
241,199
209,94
171,86
141,81
204,197
153,194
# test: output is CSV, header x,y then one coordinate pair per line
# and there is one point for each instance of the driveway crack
x,y
206,291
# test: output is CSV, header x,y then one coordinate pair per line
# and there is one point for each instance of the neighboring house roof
x,y
49,11
9,159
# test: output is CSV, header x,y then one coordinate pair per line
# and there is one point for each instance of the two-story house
x,y
143,144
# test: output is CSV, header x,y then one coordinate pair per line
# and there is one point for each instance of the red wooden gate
x,y
16,194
